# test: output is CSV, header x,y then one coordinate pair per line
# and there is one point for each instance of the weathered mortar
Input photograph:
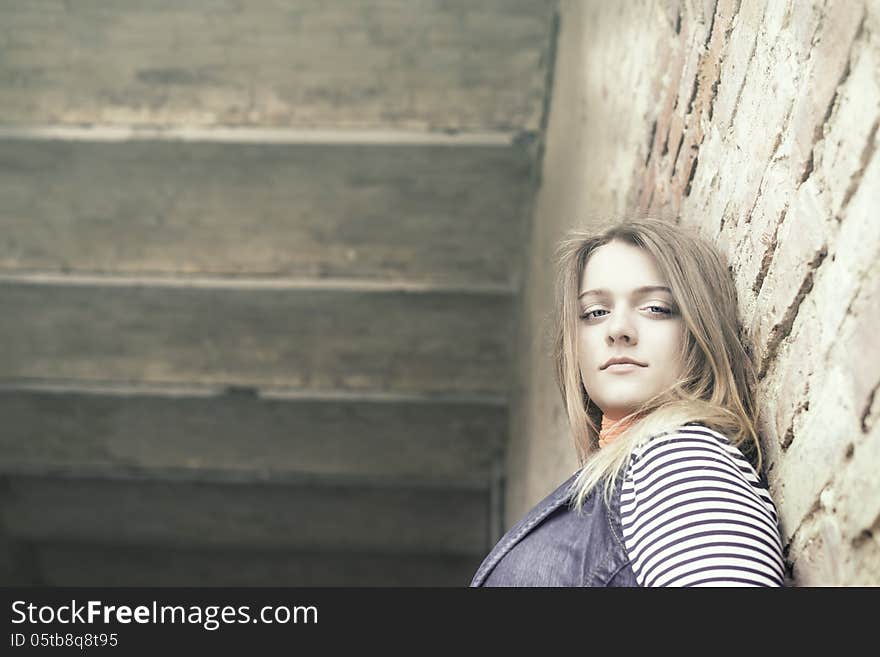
x,y
758,123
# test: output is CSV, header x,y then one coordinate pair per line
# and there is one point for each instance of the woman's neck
x,y
611,429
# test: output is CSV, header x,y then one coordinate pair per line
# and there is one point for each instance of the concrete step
x,y
434,64
392,441
89,564
18,565
436,215
149,510
308,339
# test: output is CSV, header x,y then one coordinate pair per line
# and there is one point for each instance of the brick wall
x,y
756,121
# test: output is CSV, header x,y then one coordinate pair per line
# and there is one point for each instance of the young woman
x,y
657,387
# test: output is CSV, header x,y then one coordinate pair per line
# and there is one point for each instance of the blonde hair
x,y
718,374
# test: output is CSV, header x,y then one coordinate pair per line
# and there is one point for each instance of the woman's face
x,y
618,319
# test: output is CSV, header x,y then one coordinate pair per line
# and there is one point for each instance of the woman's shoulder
x,y
693,512
690,438
695,450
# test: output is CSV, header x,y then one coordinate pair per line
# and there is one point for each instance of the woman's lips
x,y
622,368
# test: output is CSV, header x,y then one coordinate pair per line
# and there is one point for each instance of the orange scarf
x,y
607,433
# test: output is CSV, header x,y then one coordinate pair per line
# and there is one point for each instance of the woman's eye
x,y
589,313
664,310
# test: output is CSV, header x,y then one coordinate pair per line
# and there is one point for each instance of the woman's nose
x,y
621,328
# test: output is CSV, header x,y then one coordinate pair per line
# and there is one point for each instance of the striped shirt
x,y
694,513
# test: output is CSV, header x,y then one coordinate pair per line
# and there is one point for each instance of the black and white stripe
x,y
694,513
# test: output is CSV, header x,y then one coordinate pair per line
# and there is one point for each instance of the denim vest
x,y
552,545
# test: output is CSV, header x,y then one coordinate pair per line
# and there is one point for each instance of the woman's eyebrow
x,y
638,290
